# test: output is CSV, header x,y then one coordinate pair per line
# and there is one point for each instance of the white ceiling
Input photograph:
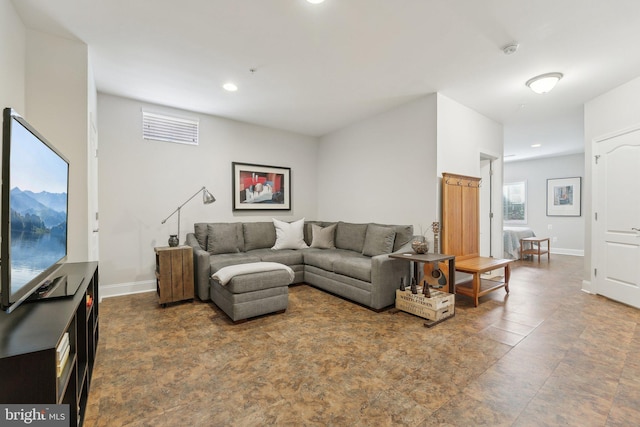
x,y
321,67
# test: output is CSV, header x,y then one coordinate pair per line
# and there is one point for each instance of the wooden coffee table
x,y
477,266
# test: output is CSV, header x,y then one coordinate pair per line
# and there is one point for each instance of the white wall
x,y
464,137
56,105
382,169
141,182
13,42
613,111
569,231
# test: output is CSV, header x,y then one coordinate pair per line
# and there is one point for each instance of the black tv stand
x,y
31,334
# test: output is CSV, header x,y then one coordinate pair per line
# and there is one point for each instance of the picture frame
x,y
260,187
564,196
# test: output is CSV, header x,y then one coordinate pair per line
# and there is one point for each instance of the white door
x,y
616,202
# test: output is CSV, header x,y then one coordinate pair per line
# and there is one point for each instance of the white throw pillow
x,y
289,235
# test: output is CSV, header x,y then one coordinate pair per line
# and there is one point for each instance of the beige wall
x,y
57,106
141,182
13,41
382,169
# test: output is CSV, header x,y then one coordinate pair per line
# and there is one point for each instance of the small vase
x,y
173,240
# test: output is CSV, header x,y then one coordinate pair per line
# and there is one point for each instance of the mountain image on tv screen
x,y
38,204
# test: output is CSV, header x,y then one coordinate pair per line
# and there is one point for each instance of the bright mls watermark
x,y
35,415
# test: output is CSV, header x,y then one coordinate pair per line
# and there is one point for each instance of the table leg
x,y
476,288
507,276
548,249
452,276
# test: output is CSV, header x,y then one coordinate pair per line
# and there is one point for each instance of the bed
x,y
512,236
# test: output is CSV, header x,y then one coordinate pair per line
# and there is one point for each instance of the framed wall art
x,y
563,197
261,187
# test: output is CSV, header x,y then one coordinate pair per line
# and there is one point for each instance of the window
x,y
514,202
159,127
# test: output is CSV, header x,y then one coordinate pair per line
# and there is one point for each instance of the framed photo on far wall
x,y
563,197
261,187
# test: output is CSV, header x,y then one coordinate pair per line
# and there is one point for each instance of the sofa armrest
x,y
385,277
201,267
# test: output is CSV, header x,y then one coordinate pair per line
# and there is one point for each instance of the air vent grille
x,y
159,127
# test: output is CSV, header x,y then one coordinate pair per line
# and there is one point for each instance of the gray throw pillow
x,y
222,238
323,237
258,235
378,240
200,230
350,236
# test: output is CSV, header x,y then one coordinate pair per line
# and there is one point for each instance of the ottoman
x,y
252,294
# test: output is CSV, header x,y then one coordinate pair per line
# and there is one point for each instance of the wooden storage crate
x,y
440,306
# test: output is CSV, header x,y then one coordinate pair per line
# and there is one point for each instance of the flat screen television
x,y
34,215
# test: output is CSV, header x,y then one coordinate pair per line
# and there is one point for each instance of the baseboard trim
x,y
120,289
572,252
586,287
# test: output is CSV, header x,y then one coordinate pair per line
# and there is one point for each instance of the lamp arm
x,y
180,207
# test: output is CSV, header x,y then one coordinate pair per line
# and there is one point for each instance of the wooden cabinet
x,y
174,274
32,334
460,216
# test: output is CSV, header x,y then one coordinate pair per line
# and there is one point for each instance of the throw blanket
x,y
225,274
512,236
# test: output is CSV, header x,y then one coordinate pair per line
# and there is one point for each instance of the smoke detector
x,y
510,48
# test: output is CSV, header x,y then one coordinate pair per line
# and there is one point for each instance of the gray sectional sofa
x,y
347,259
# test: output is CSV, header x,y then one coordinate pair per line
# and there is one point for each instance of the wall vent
x,y
160,127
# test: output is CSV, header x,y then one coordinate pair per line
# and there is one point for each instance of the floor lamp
x,y
207,198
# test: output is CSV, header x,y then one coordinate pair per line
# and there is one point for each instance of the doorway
x,y
486,211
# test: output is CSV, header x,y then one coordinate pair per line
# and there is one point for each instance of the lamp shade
x,y
544,83
207,198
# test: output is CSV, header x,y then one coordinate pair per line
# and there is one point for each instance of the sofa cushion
x,y
283,256
258,235
216,262
404,234
224,238
323,237
289,235
357,266
350,236
324,259
378,240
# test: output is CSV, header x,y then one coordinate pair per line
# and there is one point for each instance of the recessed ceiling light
x,y
536,145
315,1
544,82
230,87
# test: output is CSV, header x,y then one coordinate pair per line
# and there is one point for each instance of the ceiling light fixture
x,y
536,145
230,87
544,82
315,1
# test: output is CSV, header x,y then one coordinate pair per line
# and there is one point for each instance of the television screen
x,y
37,230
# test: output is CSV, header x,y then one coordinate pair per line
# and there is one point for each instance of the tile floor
x,y
546,355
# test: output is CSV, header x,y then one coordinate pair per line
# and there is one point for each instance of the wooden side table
x,y
477,266
174,274
533,246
